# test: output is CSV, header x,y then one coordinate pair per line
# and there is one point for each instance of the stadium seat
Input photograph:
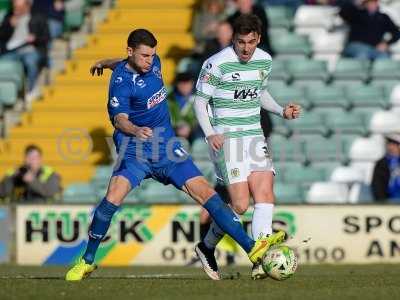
x,y
347,174
366,168
158,193
11,70
318,148
360,193
366,149
307,69
328,43
385,69
8,93
287,150
279,16
347,122
351,70
366,95
395,96
200,150
288,193
327,192
102,176
285,94
74,17
385,122
79,193
315,16
326,95
304,174
291,45
279,125
278,71
308,123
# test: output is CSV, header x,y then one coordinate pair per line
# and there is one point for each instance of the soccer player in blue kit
x,y
147,148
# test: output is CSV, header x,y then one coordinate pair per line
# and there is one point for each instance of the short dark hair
x,y
141,37
246,23
31,148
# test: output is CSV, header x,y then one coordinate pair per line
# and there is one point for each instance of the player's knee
x,y
240,208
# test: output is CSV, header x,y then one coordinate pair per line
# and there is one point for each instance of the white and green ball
x,y
280,262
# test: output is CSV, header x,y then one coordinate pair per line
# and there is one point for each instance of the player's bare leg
x,y
118,188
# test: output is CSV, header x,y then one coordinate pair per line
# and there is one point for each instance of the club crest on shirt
x,y
205,76
140,83
235,172
157,98
118,79
114,102
157,72
263,74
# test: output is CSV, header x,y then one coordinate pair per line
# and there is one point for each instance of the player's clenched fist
x,y
216,141
291,111
143,133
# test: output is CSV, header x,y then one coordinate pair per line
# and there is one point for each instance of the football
x,y
280,262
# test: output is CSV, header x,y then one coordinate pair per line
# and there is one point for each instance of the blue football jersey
x,y
143,98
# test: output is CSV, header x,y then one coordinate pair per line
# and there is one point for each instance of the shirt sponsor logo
x,y
245,94
114,102
140,83
235,77
157,98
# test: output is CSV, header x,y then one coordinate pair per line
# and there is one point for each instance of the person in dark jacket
x,y
54,10
368,27
386,177
249,7
24,36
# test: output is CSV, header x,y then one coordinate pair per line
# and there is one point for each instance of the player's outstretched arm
x,y
99,66
214,139
121,122
289,112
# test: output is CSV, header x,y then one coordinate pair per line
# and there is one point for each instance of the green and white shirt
x,y
233,91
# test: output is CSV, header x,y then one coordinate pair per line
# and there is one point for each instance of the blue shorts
x,y
164,170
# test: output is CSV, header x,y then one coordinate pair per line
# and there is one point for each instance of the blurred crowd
x,y
26,33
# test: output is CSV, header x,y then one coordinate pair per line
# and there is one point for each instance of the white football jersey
x,y
233,90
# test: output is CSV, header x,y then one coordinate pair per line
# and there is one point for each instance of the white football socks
x,y
262,220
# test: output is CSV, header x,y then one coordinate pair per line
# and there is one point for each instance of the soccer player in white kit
x,y
230,90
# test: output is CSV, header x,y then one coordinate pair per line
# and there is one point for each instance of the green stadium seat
x,y
351,70
79,193
288,93
308,123
13,71
327,166
323,149
200,150
291,45
347,122
304,174
329,96
346,140
307,69
74,19
278,71
279,16
279,125
288,193
385,69
5,5
8,93
367,95
157,192
287,149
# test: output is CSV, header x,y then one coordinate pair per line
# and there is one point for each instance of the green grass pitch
x,y
310,282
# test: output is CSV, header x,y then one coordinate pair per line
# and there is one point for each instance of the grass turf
x,y
310,282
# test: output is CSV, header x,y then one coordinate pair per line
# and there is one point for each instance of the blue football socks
x,y
228,221
100,224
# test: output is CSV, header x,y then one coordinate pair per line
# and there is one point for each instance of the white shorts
x,y
241,156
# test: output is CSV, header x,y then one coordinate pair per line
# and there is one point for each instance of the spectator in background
x,y
368,27
206,20
33,181
386,176
248,7
54,10
180,104
222,40
24,36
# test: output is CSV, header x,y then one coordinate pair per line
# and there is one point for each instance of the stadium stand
x,y
325,156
